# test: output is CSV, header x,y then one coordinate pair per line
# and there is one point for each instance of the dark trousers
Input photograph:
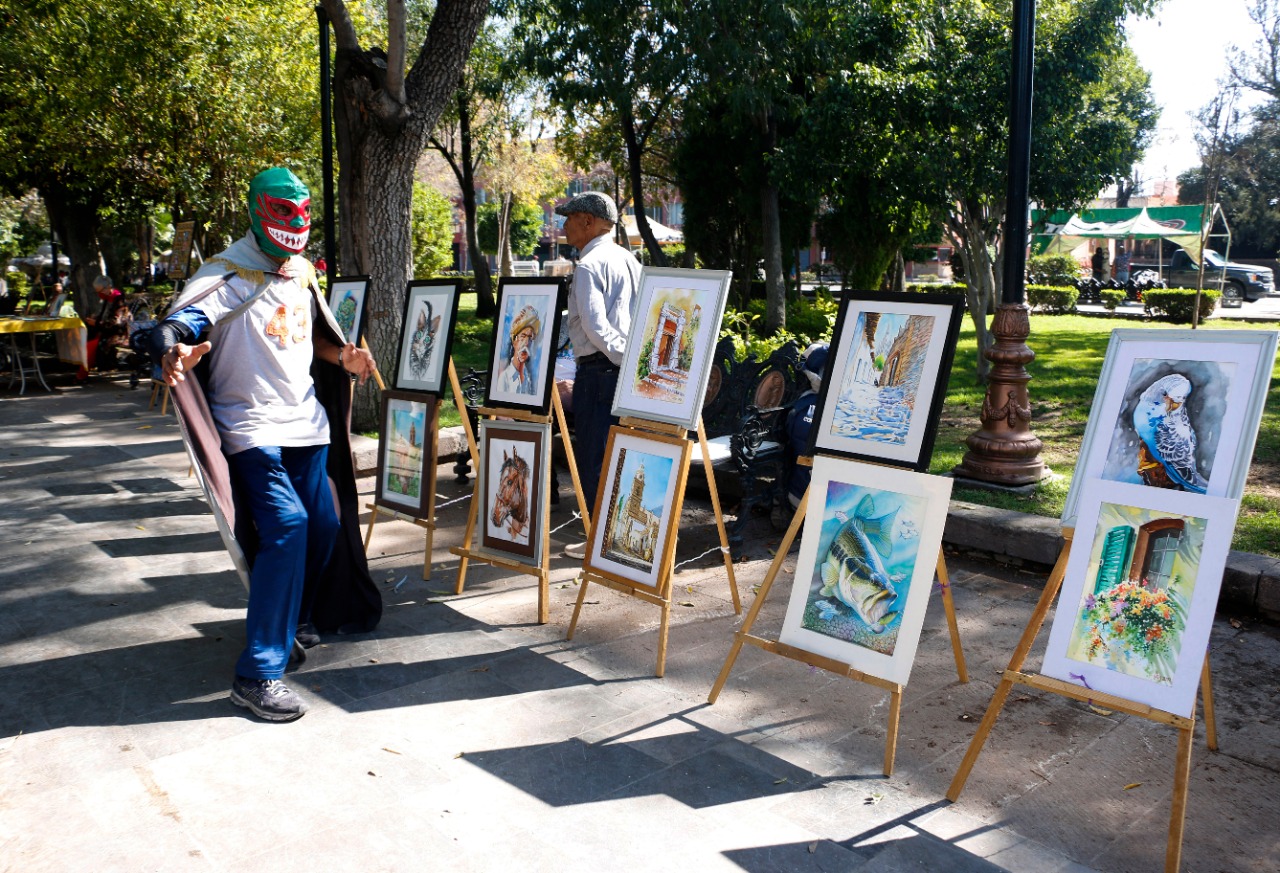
x,y
593,388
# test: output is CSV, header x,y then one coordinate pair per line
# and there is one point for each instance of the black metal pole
x,y
326,140
1021,82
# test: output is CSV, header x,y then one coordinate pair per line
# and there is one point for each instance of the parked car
x,y
1240,283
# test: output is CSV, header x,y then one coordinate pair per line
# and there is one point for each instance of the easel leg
x,y
719,514
466,421
1178,815
948,603
467,537
1051,588
577,608
662,637
891,741
754,611
426,553
1210,721
572,461
544,597
373,519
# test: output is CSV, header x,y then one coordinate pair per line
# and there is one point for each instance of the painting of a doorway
x,y
886,376
1140,591
665,367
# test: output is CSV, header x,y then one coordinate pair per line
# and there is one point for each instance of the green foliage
x,y
1053,270
674,253
1112,297
432,230
941,288
19,284
642,365
1178,305
1057,299
526,227
807,322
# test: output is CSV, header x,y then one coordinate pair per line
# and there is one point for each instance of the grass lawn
x,y
1069,351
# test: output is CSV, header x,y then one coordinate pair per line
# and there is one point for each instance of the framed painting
x,y
180,253
637,509
886,377
867,560
1176,410
522,366
426,335
514,473
346,302
673,336
1140,591
406,453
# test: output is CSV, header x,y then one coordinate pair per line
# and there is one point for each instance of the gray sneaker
x,y
267,698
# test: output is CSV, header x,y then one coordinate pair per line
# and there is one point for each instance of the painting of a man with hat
x,y
518,376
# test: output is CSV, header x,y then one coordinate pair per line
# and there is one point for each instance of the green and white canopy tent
x,y
1063,232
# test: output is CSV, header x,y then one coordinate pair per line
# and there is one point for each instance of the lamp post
x,y
1004,451
326,148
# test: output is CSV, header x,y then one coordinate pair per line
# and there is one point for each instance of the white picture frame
x,y
664,371
889,520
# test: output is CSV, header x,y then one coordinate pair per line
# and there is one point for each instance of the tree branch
x,y
344,32
397,36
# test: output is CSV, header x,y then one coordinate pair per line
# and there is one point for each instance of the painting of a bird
x,y
1167,455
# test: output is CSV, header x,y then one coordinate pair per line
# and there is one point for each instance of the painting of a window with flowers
x,y
1141,587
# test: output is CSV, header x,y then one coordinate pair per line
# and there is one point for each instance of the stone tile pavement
x,y
461,735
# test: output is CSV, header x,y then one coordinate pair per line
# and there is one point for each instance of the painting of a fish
x,y
867,558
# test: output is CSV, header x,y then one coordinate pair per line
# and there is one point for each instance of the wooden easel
x,y
660,594
429,523
1014,675
744,635
542,572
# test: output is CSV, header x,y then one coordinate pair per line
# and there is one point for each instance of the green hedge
x,y
1178,304
1112,297
939,287
1058,299
1053,270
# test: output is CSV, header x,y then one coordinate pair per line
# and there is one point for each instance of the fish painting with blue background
x,y
866,556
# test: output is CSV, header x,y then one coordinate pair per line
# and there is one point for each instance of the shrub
x,y
940,287
1178,304
1112,297
19,284
1057,299
1055,270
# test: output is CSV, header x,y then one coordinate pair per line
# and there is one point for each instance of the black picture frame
x,y
440,297
544,294
418,460
342,284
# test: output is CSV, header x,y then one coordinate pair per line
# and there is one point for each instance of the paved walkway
x,y
464,736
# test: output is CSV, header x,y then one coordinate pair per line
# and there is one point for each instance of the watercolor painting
x,y
346,302
406,442
666,365
426,335
866,565
513,488
882,391
1139,594
1171,419
523,344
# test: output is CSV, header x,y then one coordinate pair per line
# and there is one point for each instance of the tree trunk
x,y
899,283
77,226
634,152
967,225
486,306
775,290
504,234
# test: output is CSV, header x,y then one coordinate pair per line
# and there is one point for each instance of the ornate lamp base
x,y
1005,451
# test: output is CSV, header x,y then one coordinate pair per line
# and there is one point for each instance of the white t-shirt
x,y
260,387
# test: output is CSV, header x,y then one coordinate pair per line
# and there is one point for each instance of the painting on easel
x,y
1176,410
665,367
513,487
346,302
426,334
1139,594
886,376
523,357
866,564
406,462
637,506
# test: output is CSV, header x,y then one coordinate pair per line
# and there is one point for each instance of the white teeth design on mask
x,y
292,241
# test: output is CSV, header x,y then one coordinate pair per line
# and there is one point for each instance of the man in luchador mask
x,y
268,420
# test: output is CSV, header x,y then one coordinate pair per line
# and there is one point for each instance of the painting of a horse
x,y
511,497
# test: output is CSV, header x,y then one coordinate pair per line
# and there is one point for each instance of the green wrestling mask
x,y
279,212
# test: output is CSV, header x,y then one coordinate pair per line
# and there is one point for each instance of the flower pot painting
x,y
1138,588
403,451
881,381
671,333
633,522
867,551
1170,422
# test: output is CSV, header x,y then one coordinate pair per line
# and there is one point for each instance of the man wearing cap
x,y
254,311
517,376
600,298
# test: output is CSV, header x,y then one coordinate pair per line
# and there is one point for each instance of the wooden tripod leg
x,y
468,536
948,604
1210,721
891,741
577,608
1051,588
1178,815
754,611
426,553
662,636
373,519
572,460
377,377
466,420
719,514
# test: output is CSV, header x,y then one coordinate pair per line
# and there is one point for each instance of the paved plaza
x,y
463,736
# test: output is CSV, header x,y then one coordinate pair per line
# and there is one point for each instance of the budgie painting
x,y
1167,433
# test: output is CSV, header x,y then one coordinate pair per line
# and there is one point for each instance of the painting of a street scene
x,y
669,339
867,551
405,426
636,508
1138,587
882,377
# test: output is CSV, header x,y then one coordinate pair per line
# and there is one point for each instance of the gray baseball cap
x,y
592,203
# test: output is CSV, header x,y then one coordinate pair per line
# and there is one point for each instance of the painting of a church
x,y
634,521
